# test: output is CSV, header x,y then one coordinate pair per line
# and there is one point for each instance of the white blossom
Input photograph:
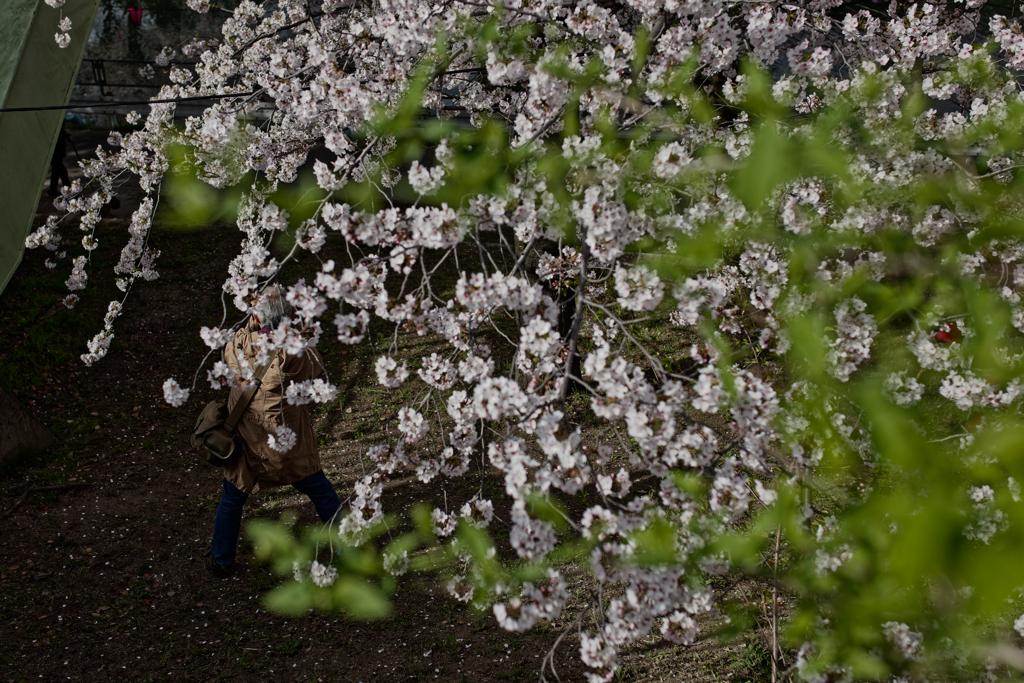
x,y
390,373
174,394
639,289
282,440
322,575
215,338
907,643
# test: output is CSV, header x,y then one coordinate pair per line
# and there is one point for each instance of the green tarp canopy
x,y
34,72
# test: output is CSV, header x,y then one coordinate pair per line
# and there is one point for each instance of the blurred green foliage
x,y
900,514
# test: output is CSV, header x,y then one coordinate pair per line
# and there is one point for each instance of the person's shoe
x,y
52,193
217,569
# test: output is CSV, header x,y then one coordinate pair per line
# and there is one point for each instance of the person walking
x,y
299,463
58,171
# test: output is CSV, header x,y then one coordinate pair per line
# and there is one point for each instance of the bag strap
x,y
246,397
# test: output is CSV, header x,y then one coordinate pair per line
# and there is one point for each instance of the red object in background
x,y
949,335
135,15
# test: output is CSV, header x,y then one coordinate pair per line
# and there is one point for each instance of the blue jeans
x,y
229,512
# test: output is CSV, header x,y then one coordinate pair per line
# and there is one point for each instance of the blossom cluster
x,y
552,287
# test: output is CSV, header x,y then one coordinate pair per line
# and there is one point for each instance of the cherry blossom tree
x,y
823,197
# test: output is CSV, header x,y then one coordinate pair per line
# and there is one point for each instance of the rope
x,y
127,102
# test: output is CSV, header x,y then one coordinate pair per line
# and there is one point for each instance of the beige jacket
x,y
266,412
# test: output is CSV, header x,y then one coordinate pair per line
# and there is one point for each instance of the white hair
x,y
271,307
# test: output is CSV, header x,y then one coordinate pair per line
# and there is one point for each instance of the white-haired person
x,y
299,464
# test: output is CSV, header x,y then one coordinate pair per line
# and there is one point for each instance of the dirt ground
x,y
106,581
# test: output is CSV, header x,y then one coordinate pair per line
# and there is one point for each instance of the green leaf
x,y
656,544
360,598
291,599
424,524
548,509
271,538
429,560
772,162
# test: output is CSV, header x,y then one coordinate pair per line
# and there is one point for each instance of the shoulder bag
x,y
214,435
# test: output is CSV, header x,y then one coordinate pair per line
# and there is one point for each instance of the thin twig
x,y
549,658
577,319
775,605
